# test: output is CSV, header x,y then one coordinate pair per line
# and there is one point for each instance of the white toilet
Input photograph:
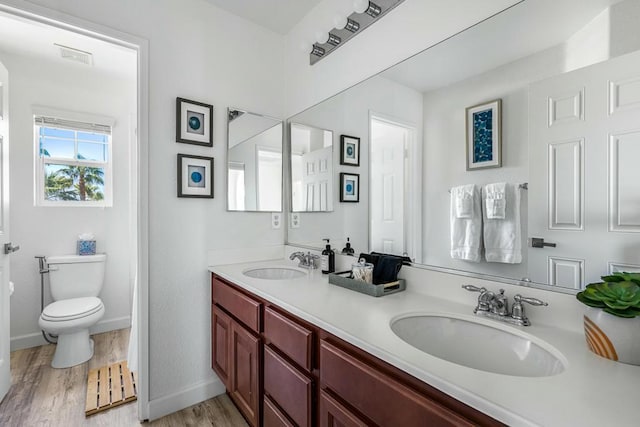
x,y
75,283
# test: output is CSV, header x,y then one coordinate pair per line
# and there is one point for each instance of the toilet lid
x,y
70,309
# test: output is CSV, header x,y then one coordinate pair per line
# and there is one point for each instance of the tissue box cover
x,y
86,247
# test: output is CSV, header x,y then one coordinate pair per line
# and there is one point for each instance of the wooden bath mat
x,y
108,387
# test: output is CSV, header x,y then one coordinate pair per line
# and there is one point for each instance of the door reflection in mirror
x,y
311,169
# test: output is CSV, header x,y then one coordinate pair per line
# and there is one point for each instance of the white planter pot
x,y
613,337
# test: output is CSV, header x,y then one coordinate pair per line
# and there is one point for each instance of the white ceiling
x,y
527,28
28,38
277,15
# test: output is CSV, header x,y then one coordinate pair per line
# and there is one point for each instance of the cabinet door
x,y
245,365
221,344
333,414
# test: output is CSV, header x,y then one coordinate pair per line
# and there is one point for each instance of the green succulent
x,y
618,294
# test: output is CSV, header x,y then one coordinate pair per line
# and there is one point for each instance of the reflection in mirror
x,y
311,169
568,77
254,162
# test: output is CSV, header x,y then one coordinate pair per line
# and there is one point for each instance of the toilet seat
x,y
71,309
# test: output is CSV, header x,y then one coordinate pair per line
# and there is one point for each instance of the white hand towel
x,y
503,237
464,201
466,233
495,200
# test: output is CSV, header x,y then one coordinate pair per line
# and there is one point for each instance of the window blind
x,y
72,125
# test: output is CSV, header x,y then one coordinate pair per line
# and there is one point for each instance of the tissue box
x,y
86,247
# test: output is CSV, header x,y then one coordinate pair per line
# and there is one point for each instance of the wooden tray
x,y
341,279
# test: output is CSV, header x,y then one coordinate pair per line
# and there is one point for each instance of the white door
x,y
584,174
5,375
317,169
387,176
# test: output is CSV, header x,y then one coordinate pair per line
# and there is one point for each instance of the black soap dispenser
x,y
348,250
328,259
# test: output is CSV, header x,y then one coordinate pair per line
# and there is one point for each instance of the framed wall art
x,y
484,135
194,122
349,150
349,187
195,176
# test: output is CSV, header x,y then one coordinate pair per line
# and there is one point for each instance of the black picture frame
x,y
191,171
349,187
195,125
349,150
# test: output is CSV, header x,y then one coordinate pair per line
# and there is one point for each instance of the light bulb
x,y
359,6
340,21
322,37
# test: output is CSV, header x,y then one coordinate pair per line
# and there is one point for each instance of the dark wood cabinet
x,y
221,344
291,389
245,372
334,414
283,371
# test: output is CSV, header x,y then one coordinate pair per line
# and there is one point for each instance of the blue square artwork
x,y
350,187
483,136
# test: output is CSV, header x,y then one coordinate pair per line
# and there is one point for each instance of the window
x,y
73,162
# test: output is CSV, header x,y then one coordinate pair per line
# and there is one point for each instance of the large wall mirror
x,y
567,74
254,162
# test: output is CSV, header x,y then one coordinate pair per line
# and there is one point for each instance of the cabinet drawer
x,y
291,338
242,307
383,399
333,414
272,417
288,387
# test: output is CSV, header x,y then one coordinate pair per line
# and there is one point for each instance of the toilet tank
x,y
74,276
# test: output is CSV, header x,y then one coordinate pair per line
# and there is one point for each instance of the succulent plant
x,y
618,294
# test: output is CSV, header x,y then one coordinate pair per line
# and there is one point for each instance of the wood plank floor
x,y
43,396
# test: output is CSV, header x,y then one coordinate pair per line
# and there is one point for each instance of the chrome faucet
x,y
307,260
497,306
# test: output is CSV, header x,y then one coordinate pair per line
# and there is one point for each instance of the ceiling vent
x,y
76,55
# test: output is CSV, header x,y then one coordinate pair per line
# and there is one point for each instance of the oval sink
x,y
476,345
274,273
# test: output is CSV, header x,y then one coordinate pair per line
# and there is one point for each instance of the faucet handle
x,y
517,311
533,301
472,288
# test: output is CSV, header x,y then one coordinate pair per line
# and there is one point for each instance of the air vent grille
x,y
76,55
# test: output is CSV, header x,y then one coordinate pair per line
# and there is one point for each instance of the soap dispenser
x,y
348,250
328,259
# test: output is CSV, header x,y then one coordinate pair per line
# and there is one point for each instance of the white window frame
x,y
40,161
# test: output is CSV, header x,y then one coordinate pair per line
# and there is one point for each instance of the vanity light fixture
x,y
365,13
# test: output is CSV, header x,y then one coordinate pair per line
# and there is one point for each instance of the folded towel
x,y
495,202
503,237
466,233
463,201
387,268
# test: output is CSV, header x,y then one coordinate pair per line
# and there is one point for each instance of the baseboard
x,y
184,398
35,339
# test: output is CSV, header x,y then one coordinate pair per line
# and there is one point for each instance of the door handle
x,y
537,242
9,248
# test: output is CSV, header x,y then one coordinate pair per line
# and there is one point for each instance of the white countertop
x,y
591,391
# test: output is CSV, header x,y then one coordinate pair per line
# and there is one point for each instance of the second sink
x,y
477,345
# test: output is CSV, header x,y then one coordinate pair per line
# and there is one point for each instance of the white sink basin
x,y
479,346
274,273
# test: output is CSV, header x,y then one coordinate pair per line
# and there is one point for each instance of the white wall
x,y
53,230
202,53
406,30
348,114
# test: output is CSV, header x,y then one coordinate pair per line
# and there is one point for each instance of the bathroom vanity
x,y
303,352
310,376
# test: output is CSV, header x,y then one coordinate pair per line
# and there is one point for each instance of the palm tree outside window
x,y
74,162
